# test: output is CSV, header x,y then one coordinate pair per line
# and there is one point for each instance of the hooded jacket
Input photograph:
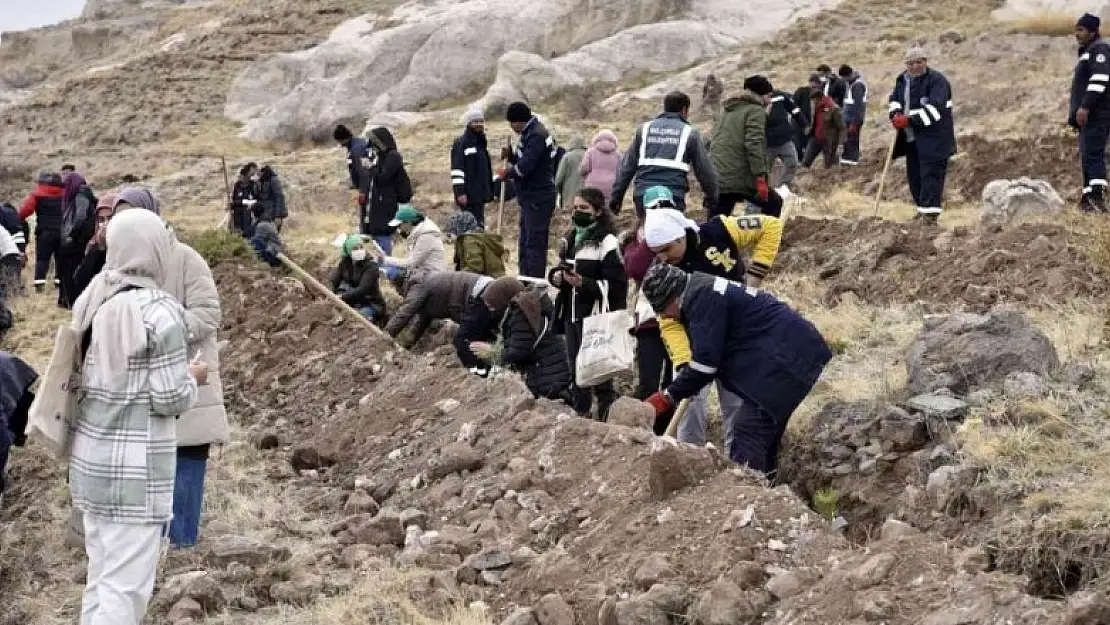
x,y
738,149
471,168
271,197
426,253
568,178
45,203
386,184
363,278
540,357
601,163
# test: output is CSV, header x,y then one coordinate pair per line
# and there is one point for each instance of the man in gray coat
x,y
441,295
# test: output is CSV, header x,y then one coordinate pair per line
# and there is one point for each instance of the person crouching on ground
x,y
425,242
355,280
266,240
591,280
753,344
136,380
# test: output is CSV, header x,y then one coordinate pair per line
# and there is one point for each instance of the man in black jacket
x,y
471,170
803,98
45,203
358,159
784,117
533,171
1089,110
386,186
832,85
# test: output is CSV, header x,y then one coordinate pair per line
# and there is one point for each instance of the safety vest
x,y
663,144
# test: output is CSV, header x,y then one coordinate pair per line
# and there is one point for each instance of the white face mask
x,y
358,255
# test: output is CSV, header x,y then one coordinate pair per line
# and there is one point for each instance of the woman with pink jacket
x,y
601,163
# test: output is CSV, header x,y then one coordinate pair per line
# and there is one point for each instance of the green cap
x,y
658,196
405,214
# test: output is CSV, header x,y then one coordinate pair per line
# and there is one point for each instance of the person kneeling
x,y
756,346
355,280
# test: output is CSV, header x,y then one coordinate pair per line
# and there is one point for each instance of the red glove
x,y
761,188
659,402
362,198
853,129
900,121
501,171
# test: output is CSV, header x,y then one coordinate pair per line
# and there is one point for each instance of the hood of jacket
x,y
745,99
855,75
605,141
48,190
576,143
474,137
425,228
382,139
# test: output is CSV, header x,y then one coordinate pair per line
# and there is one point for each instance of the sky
x,y
22,14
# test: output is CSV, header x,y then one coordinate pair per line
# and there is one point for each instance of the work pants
x,y
535,226
826,149
1092,153
789,157
756,436
693,428
850,156
47,245
926,180
123,562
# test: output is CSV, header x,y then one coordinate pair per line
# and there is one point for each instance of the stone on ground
x,y
1009,201
631,412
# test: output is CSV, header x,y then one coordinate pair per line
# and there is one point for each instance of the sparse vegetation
x,y
1049,23
218,246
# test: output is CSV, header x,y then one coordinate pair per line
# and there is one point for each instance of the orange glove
x,y
501,173
761,188
659,402
900,121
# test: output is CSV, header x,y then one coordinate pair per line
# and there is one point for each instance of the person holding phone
x,y
590,274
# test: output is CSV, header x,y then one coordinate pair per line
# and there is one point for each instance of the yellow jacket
x,y
758,234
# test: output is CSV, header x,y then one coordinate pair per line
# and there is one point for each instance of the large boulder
x,y
964,351
423,53
1007,201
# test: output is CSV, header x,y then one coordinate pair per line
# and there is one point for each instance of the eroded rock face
x,y
423,54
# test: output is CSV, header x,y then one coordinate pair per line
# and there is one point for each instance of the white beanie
x,y
473,115
666,225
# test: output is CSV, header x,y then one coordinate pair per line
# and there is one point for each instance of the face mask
x,y
583,220
358,255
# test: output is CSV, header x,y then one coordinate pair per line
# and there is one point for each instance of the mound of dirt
x,y
884,262
1052,158
548,518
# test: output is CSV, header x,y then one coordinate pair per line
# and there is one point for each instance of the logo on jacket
x,y
1100,58
924,101
719,258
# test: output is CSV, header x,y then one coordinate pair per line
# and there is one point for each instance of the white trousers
x,y
123,562
693,428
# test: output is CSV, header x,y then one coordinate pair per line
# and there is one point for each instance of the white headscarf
x,y
139,246
666,225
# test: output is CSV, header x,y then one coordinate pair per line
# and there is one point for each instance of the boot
x,y
1097,200
40,288
928,219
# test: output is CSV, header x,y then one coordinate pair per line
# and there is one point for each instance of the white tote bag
x,y
55,407
607,346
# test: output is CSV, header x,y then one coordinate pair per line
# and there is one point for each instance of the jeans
x,y
123,563
535,227
693,428
385,242
368,312
789,157
926,180
188,495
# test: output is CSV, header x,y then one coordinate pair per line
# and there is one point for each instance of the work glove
x,y
615,206
362,199
900,121
659,402
853,129
761,189
502,173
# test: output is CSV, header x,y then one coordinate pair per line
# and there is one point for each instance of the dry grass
x,y
1048,23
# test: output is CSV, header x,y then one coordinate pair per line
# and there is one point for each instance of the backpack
x,y
80,224
482,253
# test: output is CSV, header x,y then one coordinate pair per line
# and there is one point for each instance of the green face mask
x,y
583,220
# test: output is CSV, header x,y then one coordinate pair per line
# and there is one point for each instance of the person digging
x,y
753,344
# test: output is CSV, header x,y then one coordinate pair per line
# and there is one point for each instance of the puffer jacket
x,y
541,360
189,280
601,163
441,295
568,178
45,203
598,261
738,149
386,184
426,253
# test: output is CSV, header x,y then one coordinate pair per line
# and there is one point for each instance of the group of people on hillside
x,y
257,197
149,403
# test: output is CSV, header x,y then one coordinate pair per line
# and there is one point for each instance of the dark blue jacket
x,y
783,120
533,169
1089,83
471,170
755,345
929,108
358,149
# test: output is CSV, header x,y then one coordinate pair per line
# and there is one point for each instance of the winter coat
x,y
656,158
16,378
45,203
828,122
597,259
271,197
855,102
471,168
739,147
928,105
835,88
386,186
362,279
189,280
441,295
601,163
90,265
10,221
79,221
541,360
1088,84
785,117
568,178
426,254
478,324
358,149
480,252
533,164
266,241
756,346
